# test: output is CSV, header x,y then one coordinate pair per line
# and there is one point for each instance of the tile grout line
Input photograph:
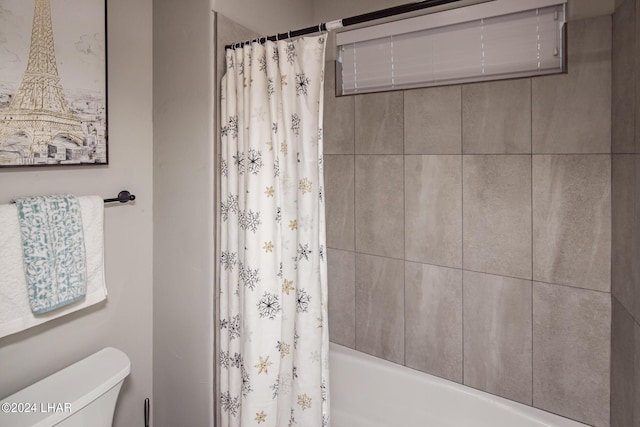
x,y
531,142
355,253
462,227
564,285
404,238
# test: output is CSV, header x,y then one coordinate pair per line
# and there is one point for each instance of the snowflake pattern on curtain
x,y
274,343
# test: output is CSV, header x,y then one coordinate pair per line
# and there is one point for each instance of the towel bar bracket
x,y
123,197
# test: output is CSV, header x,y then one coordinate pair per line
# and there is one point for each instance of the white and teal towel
x,y
53,246
15,308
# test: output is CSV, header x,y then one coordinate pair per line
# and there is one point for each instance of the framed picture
x,y
53,83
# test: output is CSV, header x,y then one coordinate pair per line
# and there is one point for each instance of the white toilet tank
x,y
81,395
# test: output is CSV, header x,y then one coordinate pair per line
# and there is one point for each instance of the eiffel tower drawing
x,y
39,108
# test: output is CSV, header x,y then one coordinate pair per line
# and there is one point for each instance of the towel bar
x,y
123,197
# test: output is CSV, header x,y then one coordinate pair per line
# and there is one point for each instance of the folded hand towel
x,y
15,309
53,247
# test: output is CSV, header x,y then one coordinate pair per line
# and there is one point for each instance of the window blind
x,y
488,41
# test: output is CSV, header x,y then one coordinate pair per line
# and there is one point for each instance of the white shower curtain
x,y
273,291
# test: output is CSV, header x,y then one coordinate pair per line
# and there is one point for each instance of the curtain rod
x,y
346,22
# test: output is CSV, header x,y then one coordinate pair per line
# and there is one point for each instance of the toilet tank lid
x,y
77,385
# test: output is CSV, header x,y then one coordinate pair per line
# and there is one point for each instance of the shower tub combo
x,y
371,392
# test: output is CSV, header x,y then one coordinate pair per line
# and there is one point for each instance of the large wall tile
x,y
432,121
571,351
496,117
572,220
497,335
380,307
622,365
571,113
433,315
342,297
339,179
497,214
624,78
380,205
379,123
339,116
433,210
623,245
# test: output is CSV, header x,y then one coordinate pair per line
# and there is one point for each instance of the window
x,y
488,41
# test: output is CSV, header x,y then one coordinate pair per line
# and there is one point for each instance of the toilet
x,y
81,395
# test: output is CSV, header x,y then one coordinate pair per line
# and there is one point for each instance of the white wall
x,y
183,213
267,17
125,321
581,9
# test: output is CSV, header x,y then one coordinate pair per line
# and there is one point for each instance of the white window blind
x,y
488,41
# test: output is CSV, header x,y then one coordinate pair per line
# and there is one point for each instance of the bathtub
x,y
371,392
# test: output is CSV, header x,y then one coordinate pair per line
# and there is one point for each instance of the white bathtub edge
x,y
464,393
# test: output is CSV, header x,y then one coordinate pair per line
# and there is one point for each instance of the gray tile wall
x,y
469,229
571,113
433,312
433,209
625,198
380,307
572,220
432,120
571,352
497,335
496,117
497,214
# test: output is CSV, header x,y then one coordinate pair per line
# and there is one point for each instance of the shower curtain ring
x,y
289,35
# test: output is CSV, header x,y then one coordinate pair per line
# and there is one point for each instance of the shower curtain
x,y
273,289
